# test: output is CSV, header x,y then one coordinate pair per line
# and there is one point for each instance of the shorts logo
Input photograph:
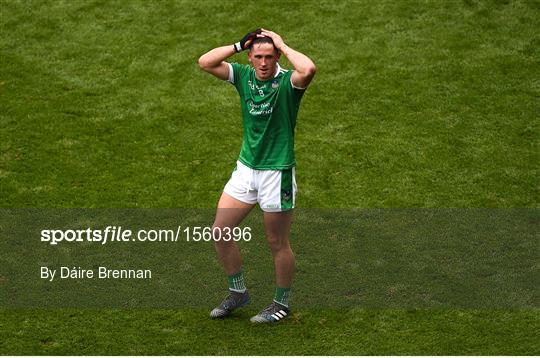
x,y
286,195
275,84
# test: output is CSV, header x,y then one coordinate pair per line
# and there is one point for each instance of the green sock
x,y
282,295
236,282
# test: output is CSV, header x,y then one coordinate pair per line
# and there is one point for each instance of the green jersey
x,y
269,110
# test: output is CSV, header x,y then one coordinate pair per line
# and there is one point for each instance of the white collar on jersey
x,y
278,68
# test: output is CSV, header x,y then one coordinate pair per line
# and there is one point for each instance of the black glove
x,y
246,41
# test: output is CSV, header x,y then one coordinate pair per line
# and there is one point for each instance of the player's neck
x,y
274,72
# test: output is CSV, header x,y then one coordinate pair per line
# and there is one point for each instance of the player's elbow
x,y
311,69
203,62
308,71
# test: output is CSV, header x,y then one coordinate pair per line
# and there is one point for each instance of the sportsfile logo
x,y
109,234
119,234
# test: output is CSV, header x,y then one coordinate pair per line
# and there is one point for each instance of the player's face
x,y
264,58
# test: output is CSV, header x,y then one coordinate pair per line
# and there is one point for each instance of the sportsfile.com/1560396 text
x,y
119,234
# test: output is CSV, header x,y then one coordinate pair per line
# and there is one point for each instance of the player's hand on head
x,y
246,41
278,41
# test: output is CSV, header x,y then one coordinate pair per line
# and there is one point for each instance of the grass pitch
x,y
415,104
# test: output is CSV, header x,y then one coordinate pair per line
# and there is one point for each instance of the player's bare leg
x,y
229,214
277,228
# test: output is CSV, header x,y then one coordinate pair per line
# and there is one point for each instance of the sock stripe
x,y
236,282
283,295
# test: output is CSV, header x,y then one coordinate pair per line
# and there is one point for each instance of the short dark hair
x,y
262,40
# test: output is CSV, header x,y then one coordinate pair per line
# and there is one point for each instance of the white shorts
x,y
274,190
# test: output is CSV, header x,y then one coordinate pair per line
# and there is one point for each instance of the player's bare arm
x,y
304,67
214,60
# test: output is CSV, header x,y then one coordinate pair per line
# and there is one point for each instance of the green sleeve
x,y
239,71
295,93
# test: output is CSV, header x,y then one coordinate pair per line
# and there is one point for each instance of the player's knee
x,y
219,235
278,244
